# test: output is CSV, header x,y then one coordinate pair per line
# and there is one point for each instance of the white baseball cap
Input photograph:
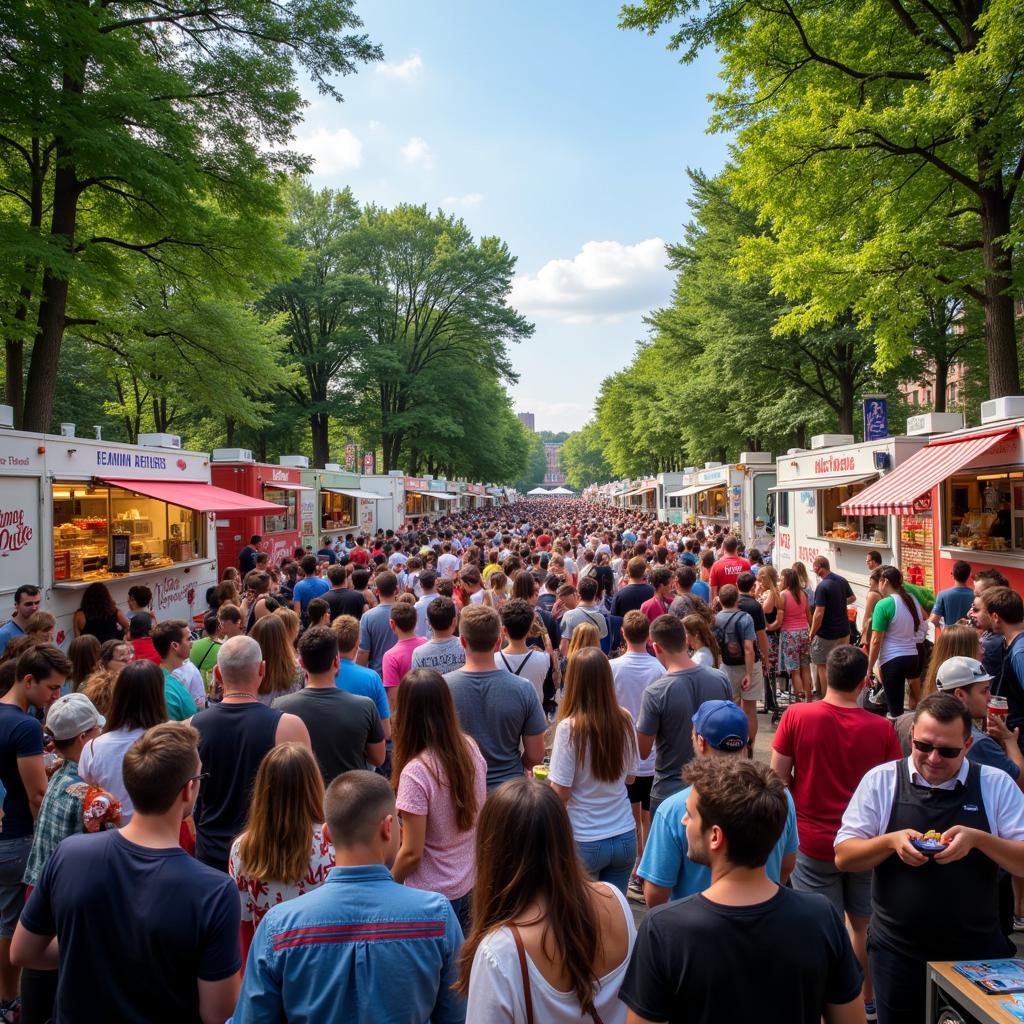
x,y
71,715
960,672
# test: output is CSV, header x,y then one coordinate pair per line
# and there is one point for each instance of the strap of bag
x,y
527,994
508,667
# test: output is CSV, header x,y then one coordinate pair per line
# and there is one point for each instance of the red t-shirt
x,y
653,607
145,651
726,569
543,540
832,748
359,556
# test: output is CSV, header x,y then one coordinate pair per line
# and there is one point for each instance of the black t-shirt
x,y
340,725
136,928
630,597
247,559
345,602
753,608
689,955
21,735
831,594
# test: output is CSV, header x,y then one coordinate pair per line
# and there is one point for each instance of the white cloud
x,y
417,151
333,150
375,126
603,282
469,199
408,68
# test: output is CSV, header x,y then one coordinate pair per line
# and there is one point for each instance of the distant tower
x,y
526,418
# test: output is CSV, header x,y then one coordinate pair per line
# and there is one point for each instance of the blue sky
x,y
545,124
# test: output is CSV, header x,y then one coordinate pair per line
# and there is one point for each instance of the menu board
x,y
917,553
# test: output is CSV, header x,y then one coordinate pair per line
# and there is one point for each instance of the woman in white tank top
x,y
897,623
547,945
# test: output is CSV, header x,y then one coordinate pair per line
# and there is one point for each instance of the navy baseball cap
x,y
722,724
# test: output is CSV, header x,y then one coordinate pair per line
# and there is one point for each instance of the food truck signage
x,y
876,417
15,533
835,464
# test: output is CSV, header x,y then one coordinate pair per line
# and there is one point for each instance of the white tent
x,y
538,491
560,490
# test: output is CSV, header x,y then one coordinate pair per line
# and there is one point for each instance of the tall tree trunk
x,y
318,423
1000,325
42,373
941,384
229,431
800,435
846,382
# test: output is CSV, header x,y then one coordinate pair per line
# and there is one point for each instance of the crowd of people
x,y
437,774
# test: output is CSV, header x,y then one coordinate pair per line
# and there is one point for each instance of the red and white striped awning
x,y
896,492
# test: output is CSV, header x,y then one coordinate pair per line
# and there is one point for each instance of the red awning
x,y
895,493
276,485
196,496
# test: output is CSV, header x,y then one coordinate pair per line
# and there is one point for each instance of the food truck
x,y
733,495
409,498
338,504
960,496
280,486
681,500
77,510
670,509
641,496
812,511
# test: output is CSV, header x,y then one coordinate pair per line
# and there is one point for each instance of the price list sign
x,y
917,555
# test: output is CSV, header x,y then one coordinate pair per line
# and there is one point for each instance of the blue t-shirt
x,y
953,604
178,912
328,554
308,588
985,750
665,862
702,590
363,682
376,636
8,631
21,735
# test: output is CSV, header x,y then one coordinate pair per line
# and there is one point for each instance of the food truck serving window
x,y
713,503
102,531
832,523
281,521
337,511
984,511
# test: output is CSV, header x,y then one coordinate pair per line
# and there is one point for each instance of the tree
x,y
536,461
881,139
129,133
320,306
437,296
582,458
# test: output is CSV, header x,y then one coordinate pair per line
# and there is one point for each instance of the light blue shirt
x,y
702,590
360,949
665,861
363,682
8,631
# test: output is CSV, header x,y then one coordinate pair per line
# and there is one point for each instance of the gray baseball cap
x,y
958,672
71,715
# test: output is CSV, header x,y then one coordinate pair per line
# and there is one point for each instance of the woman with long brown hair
x,y
283,852
546,942
957,641
282,674
583,636
593,758
84,654
440,778
701,641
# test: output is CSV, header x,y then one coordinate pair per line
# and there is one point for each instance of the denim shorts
x,y
13,861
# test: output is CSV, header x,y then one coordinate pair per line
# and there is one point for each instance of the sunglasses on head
x,y
927,748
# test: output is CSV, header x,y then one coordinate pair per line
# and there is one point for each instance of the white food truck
x,y
811,487
733,495
77,510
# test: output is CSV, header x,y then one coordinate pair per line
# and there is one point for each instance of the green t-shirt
x,y
180,704
882,614
202,656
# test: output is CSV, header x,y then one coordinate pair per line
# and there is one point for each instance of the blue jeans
x,y
464,911
610,860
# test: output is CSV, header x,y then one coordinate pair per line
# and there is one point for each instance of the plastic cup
x,y
997,707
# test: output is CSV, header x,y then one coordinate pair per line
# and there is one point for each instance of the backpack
x,y
729,642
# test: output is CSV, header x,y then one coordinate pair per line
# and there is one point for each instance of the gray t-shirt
x,y
376,636
666,713
497,709
578,616
442,655
340,725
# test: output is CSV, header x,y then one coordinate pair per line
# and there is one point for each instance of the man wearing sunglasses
x,y
942,906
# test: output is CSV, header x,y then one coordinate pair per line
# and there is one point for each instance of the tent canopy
x,y
560,490
538,490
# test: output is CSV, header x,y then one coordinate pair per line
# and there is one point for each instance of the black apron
x,y
938,911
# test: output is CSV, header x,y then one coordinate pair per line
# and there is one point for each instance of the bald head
x,y
239,663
